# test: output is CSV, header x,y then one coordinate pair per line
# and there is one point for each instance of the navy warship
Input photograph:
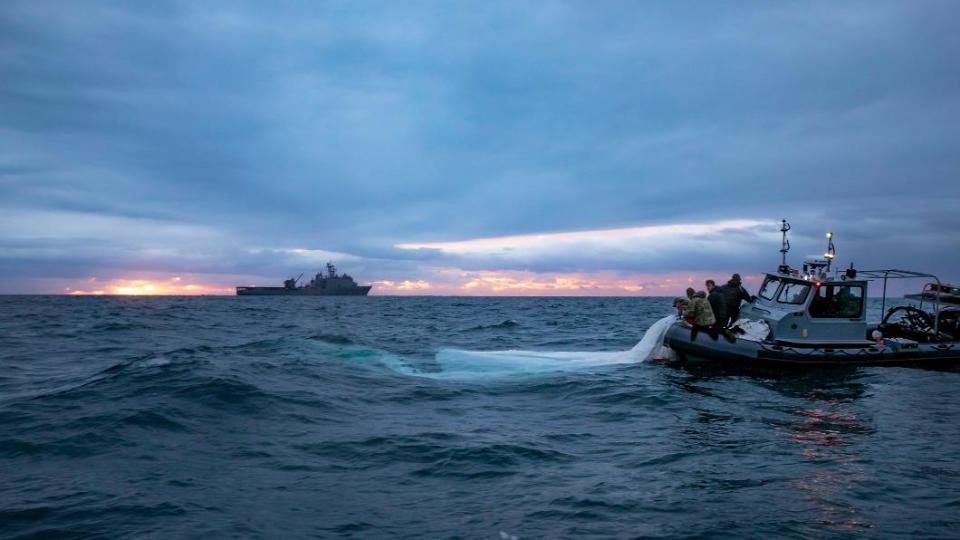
x,y
330,284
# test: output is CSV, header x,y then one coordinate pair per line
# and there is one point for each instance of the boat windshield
x,y
794,293
837,302
769,288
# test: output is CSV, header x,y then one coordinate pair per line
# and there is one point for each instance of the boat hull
x,y
303,291
703,348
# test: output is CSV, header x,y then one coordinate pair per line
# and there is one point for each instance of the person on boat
x,y
699,314
717,301
719,306
848,305
733,293
680,304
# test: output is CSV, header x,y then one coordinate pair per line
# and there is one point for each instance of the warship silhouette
x,y
321,285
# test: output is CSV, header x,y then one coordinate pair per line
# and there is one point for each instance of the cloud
x,y
633,248
233,139
654,237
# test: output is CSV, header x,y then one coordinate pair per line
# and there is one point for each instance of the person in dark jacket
x,y
717,301
719,306
733,293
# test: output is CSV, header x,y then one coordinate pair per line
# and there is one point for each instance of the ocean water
x,y
379,417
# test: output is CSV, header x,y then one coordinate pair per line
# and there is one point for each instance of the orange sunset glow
x,y
441,282
521,283
175,286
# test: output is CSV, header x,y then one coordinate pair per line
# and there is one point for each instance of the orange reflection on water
x,y
825,434
825,428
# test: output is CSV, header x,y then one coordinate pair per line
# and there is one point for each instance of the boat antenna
x,y
831,250
784,247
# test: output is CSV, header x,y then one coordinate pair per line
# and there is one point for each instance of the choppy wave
x,y
503,325
443,417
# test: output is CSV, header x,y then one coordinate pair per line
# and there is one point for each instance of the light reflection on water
x,y
829,431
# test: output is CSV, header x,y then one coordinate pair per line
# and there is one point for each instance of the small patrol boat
x,y
815,317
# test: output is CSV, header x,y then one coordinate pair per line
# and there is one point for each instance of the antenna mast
x,y
831,250
784,247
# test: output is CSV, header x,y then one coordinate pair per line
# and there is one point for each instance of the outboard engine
x,y
950,323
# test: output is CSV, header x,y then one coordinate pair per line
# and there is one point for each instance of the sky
x,y
498,147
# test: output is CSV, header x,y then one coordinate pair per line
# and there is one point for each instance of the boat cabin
x,y
805,310
818,317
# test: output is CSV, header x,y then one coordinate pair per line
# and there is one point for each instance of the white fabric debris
x,y
752,330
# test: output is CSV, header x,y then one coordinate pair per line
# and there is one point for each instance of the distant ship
x,y
321,285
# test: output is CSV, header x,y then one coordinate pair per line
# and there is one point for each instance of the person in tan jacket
x,y
699,314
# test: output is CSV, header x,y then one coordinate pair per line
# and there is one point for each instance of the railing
x,y
906,274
